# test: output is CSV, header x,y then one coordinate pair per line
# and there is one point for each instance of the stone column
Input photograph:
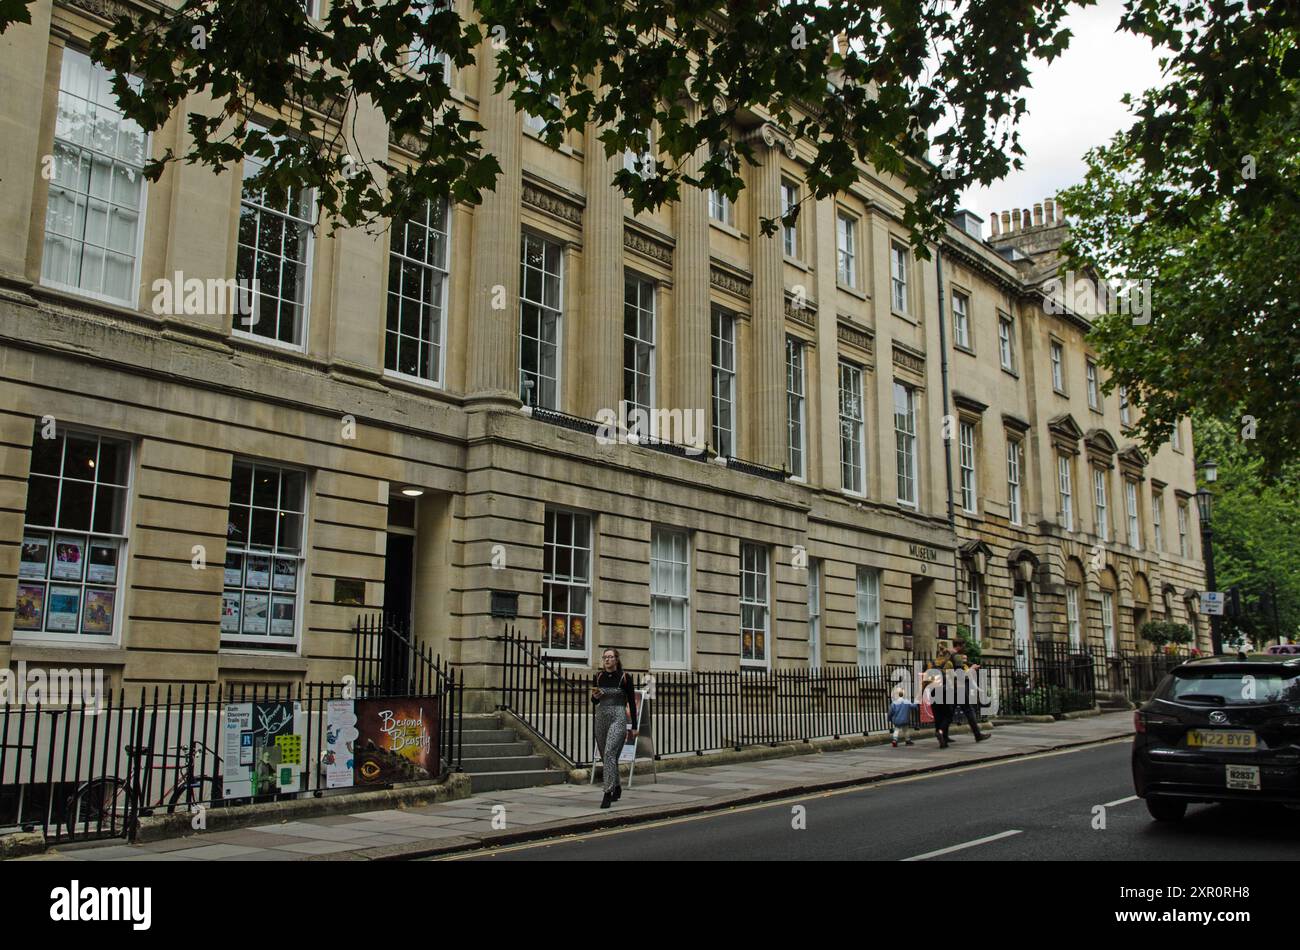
x,y
600,318
691,384
492,375
766,372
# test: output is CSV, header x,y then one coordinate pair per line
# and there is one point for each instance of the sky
x,y
1074,104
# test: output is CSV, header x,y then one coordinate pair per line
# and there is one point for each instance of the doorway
x,y
1020,605
399,564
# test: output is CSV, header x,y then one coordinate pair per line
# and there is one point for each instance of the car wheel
x,y
1164,809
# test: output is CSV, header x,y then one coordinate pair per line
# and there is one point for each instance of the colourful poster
x,y
286,574
234,569
397,740
340,740
576,631
558,639
63,609
255,610
68,558
31,607
36,556
98,617
282,613
102,566
230,612
257,569
254,739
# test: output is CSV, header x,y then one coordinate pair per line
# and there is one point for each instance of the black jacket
x,y
617,680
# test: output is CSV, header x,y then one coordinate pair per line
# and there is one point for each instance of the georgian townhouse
x,y
820,453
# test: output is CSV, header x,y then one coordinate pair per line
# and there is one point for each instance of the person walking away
x,y
944,707
615,701
900,714
958,662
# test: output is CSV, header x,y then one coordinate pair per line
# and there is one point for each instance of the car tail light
x,y
1139,722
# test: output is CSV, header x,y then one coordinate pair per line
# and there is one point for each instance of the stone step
x,y
499,781
482,736
492,750
505,763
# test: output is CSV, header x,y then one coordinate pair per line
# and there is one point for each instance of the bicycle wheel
x,y
191,794
102,803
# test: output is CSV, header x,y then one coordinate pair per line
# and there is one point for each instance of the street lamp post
x,y
1205,508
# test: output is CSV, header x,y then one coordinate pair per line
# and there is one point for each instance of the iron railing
x,y
699,711
163,749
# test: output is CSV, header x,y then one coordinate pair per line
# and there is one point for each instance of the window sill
x,y
726,228
418,382
963,349
1011,372
851,291
905,317
245,657
1061,392
797,263
239,334
30,648
69,290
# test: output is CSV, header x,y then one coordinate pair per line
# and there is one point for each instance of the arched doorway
x,y
1023,564
1141,607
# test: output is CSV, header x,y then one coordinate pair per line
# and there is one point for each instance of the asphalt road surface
x,y
1037,808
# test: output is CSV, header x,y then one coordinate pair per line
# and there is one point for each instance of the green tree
x,y
1256,544
904,79
1201,197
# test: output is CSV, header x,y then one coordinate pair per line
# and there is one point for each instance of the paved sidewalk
x,y
567,809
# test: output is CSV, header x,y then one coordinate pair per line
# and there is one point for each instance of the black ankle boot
x,y
604,802
618,792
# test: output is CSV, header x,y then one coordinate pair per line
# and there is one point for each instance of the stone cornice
x,y
855,336
969,404
544,197
805,316
653,246
1014,423
908,358
732,281
110,10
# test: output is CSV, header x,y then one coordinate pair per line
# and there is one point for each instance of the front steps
x,y
495,757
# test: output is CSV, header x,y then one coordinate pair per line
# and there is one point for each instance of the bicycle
x,y
111,800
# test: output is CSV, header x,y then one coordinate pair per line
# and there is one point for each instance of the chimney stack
x,y
1015,219
1038,214
994,222
1049,210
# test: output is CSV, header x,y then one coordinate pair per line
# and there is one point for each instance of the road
x,y
1036,808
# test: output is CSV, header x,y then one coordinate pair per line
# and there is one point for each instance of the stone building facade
x,y
419,420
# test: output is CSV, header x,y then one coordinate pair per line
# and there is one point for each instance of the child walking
x,y
900,714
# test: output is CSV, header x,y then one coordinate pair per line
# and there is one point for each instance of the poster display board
x,y
337,759
397,740
257,739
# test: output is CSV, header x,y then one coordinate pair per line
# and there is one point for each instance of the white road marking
x,y
963,847
1121,801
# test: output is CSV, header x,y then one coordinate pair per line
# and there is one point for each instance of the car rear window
x,y
1231,688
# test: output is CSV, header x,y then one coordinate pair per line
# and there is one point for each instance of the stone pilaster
x,y
690,362
600,318
492,375
766,371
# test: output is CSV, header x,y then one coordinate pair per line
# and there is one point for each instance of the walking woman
x,y
615,702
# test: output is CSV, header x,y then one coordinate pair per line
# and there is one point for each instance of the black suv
x,y
1220,729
